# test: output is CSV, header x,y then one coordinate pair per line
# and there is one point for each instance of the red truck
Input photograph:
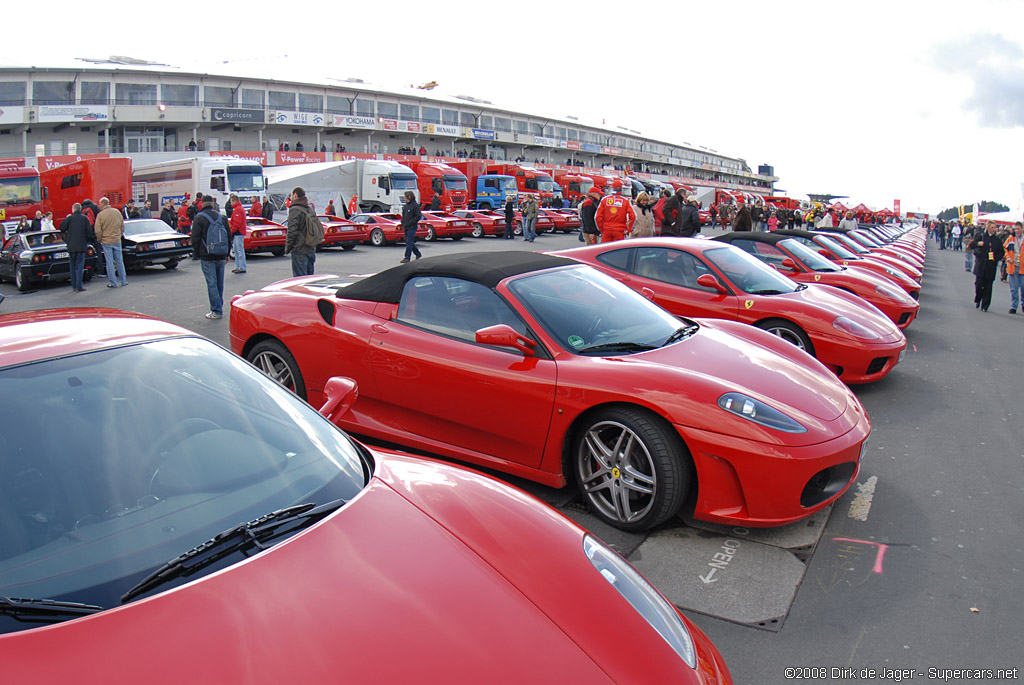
x,y
574,186
20,193
109,177
606,184
529,181
437,178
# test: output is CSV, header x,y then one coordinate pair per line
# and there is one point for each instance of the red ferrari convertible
x,y
692,277
191,521
547,369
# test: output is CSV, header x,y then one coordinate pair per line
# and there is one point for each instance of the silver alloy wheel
x,y
787,334
617,472
276,367
478,230
377,238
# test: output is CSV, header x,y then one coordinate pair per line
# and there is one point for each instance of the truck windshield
x,y
585,187
455,183
19,191
403,181
545,184
508,184
245,178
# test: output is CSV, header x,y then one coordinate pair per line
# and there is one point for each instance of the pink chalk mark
x,y
879,556
914,346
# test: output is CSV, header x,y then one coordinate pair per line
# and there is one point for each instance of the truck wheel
x,y
377,238
478,230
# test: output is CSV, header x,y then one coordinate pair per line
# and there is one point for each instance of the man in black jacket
x,y
168,214
411,216
689,218
988,252
588,210
212,266
78,234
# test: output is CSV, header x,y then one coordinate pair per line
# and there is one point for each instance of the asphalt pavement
x,y
918,566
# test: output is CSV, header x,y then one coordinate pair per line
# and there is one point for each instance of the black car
x,y
27,258
151,241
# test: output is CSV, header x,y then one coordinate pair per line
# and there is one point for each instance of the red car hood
x,y
380,592
831,303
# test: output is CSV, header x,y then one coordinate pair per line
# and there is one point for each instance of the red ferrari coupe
x,y
339,232
794,259
385,229
263,235
484,222
444,225
692,277
193,522
547,369
564,222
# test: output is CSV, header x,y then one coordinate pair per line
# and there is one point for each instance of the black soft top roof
x,y
796,232
759,236
485,268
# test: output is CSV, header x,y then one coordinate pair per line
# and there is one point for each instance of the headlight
x,y
758,412
885,291
853,328
648,602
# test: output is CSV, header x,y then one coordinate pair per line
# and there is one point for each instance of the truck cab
x,y
447,182
529,181
574,186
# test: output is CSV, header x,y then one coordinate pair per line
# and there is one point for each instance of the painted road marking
x,y
719,560
861,504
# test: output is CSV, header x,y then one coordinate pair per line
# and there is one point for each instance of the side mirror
x,y
789,264
709,281
503,335
340,394
825,253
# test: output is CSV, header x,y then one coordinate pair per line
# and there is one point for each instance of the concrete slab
x,y
799,536
729,577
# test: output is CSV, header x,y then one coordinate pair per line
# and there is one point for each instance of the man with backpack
x,y
303,230
210,247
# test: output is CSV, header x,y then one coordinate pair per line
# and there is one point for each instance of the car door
x,y
672,274
443,388
9,256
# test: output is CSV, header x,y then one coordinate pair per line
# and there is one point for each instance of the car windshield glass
x,y
143,226
748,273
850,243
811,259
582,308
865,239
245,179
117,460
403,181
44,238
837,248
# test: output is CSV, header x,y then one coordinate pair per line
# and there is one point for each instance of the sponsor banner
x,y
300,157
481,133
346,156
53,161
12,115
443,129
590,147
399,125
50,113
896,206
572,145
252,156
351,121
610,150
549,142
238,116
299,118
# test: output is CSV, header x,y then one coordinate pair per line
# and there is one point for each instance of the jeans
x,y
529,228
239,247
302,264
1016,290
755,225
113,259
77,265
968,260
410,244
213,272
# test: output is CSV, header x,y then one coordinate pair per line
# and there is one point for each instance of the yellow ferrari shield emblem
x,y
748,304
817,277
616,472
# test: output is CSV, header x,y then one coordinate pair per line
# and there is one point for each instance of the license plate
x,y
347,228
60,255
164,246
273,233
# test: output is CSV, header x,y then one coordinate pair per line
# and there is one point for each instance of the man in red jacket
x,y
237,226
256,209
615,216
184,220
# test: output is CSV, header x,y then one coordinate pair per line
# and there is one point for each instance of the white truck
x,y
378,184
214,176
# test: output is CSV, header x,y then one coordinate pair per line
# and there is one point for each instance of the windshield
x,y
545,184
850,243
865,239
748,273
585,187
811,259
145,226
242,179
19,191
582,308
509,185
403,181
117,460
837,248
455,182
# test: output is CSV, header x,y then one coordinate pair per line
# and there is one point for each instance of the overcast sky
x,y
918,101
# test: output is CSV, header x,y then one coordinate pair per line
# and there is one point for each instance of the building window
x,y
502,124
410,112
387,109
219,97
572,134
252,99
450,117
53,93
182,96
486,121
467,119
522,126
365,108
281,100
338,105
12,93
311,103
95,93
431,115
135,94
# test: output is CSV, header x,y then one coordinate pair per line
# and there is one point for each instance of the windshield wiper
x,y
44,610
619,347
769,291
242,538
680,333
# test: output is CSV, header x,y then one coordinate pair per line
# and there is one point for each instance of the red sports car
x,y
444,225
693,277
484,222
832,248
896,263
339,232
878,247
564,222
544,223
385,229
192,521
547,369
263,235
801,263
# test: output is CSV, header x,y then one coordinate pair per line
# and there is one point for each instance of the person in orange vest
x,y
615,216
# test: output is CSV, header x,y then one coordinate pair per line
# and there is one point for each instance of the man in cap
x,y
588,209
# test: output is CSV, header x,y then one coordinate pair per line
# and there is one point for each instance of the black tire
x,y
633,471
277,251
273,359
86,276
377,238
789,332
478,230
171,265
23,282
